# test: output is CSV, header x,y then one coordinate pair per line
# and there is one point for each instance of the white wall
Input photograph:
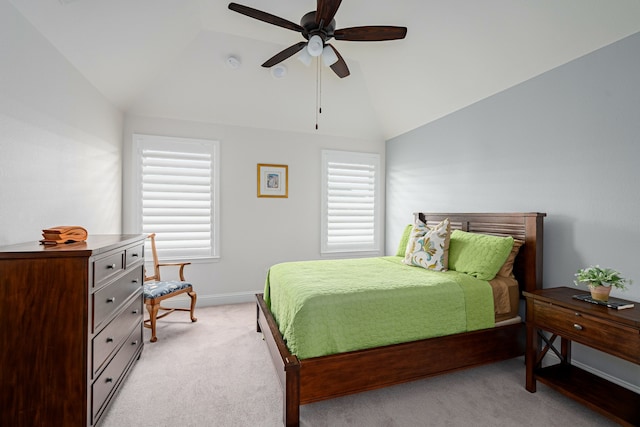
x,y
255,232
565,143
60,140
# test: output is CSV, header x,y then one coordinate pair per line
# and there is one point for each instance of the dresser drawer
x,y
614,338
108,299
112,335
105,268
133,255
109,378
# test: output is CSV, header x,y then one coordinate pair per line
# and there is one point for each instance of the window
x,y
178,185
350,202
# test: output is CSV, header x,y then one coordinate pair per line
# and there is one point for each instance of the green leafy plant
x,y
596,276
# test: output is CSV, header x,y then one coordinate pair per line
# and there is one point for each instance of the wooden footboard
x,y
311,380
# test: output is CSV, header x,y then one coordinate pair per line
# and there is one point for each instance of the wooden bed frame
x,y
311,380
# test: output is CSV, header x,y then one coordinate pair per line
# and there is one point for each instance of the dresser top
x,y
95,244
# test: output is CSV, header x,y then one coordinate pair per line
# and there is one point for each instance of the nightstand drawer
x,y
611,337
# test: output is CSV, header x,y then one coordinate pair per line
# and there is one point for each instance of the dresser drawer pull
x,y
578,327
111,267
135,254
108,380
134,311
112,299
134,281
134,342
109,339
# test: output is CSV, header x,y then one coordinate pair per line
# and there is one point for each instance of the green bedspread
x,y
334,306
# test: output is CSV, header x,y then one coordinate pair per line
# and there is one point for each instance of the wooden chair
x,y
156,290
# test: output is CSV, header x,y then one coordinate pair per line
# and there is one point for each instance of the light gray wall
x,y
255,232
566,143
60,140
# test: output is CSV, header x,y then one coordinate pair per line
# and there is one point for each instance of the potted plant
x,y
600,281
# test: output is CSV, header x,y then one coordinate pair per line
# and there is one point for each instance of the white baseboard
x,y
183,301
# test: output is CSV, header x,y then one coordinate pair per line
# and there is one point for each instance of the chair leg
x,y
153,314
193,297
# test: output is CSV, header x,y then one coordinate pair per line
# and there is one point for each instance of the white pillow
x,y
428,247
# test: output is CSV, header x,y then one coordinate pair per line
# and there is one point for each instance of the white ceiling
x,y
166,58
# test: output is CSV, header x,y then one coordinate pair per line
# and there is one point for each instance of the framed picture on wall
x,y
273,180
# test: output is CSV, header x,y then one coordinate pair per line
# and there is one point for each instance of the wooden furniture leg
x,y
192,310
153,314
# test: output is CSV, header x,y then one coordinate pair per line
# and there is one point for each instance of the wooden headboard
x,y
527,227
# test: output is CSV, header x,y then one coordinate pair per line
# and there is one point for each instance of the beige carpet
x,y
216,372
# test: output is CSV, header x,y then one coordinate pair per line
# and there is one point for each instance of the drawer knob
x,y
108,380
134,342
135,254
109,339
134,281
578,327
112,299
111,267
134,311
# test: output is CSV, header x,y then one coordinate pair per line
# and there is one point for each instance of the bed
x,y
311,379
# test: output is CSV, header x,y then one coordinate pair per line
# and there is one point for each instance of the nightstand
x,y
616,332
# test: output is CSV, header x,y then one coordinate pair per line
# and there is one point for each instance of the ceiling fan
x,y
318,27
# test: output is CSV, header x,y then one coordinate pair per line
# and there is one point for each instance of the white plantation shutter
x,y
178,189
350,208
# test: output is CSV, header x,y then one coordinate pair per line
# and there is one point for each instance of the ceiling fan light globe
x,y
329,57
304,57
315,45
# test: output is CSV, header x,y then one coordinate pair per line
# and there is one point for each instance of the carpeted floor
x,y
216,372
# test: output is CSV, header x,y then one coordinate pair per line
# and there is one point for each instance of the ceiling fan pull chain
x,y
318,106
319,86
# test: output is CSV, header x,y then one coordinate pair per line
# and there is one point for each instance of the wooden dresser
x,y
616,332
70,328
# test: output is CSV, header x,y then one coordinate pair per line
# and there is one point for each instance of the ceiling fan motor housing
x,y
311,28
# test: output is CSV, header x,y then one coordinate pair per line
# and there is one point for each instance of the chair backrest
x,y
156,263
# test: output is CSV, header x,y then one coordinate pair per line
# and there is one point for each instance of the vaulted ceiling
x,y
167,58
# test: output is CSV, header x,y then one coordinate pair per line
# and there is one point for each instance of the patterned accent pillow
x,y
428,247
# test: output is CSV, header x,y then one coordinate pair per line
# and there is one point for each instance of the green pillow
x,y
404,240
478,255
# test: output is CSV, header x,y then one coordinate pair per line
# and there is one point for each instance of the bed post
x,y
291,394
534,233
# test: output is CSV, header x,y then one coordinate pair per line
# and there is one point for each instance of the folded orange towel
x,y
63,234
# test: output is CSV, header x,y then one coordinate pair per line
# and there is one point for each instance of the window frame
x,y
372,160
212,147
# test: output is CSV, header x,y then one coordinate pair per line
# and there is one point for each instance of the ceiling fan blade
x,y
372,33
326,10
279,57
265,17
340,67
